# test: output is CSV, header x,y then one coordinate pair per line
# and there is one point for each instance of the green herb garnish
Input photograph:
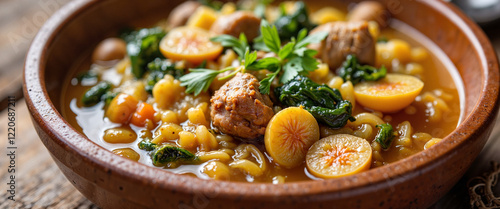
x,y
292,59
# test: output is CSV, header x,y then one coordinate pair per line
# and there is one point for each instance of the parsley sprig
x,y
291,59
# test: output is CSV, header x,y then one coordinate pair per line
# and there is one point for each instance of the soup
x,y
302,94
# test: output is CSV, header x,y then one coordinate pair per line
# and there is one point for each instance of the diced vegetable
x,y
119,135
94,94
144,112
352,71
385,135
167,153
324,103
289,135
390,94
190,44
204,17
143,47
289,25
339,155
121,108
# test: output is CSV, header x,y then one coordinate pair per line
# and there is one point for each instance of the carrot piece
x,y
144,112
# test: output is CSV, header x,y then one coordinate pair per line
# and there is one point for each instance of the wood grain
x,y
40,184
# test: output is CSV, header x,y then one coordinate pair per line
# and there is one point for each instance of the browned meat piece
x,y
239,22
239,109
370,11
345,38
180,15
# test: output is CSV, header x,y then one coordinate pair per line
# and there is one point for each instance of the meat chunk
x,y
239,22
239,109
345,38
370,11
180,14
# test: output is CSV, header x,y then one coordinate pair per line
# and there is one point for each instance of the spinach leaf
x,y
289,25
167,153
385,135
352,71
147,145
163,154
324,103
94,94
158,68
143,46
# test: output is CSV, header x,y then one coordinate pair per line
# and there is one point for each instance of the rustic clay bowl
x,y
111,181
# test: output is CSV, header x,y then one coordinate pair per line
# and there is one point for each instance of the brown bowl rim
x,y
51,122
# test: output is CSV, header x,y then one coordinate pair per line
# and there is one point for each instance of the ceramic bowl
x,y
111,181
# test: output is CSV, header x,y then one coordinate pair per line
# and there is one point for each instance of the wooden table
x,y
40,184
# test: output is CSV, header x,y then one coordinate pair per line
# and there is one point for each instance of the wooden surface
x,y
39,182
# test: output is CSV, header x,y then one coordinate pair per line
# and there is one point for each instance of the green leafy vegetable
x,y
147,145
385,135
143,46
162,154
94,94
167,153
158,68
352,71
324,103
289,25
199,80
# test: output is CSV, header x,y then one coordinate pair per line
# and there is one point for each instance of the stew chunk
x,y
239,109
345,38
239,22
